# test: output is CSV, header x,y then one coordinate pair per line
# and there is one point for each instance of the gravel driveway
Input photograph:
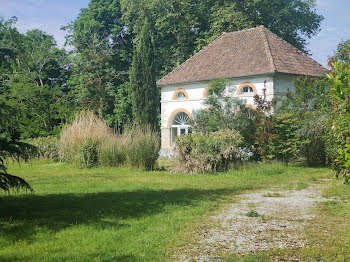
x,y
259,222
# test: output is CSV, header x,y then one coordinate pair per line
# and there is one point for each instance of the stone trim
x,y
246,84
205,91
178,91
175,112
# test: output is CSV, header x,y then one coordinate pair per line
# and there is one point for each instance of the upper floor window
x,y
247,90
180,96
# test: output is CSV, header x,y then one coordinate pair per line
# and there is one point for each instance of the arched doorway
x,y
179,125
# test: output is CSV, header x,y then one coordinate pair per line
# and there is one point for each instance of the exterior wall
x,y
196,97
283,83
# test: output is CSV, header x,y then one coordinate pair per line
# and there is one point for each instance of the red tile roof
x,y
249,52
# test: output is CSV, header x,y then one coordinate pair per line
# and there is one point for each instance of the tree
x,y
33,74
183,27
342,53
264,124
142,77
223,111
310,105
10,147
340,115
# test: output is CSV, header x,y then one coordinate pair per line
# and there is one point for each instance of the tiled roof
x,y
249,52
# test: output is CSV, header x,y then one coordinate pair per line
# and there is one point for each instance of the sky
x,y
50,15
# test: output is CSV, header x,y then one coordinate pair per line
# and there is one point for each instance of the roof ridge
x,y
268,49
239,31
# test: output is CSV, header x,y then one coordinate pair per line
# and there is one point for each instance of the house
x,y
252,60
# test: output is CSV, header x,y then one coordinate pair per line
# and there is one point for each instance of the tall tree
x,y
142,77
33,79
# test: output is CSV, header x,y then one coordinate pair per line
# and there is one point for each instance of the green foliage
x,y
253,213
340,115
11,148
145,98
287,145
309,105
342,53
93,80
265,132
184,27
211,152
33,73
143,147
223,111
122,114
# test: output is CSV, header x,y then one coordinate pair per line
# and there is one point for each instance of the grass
x,y
123,214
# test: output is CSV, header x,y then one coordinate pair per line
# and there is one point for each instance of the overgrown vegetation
x,y
340,114
208,152
89,142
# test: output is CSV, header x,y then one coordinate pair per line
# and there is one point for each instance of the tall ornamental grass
x,y
112,151
89,142
86,132
143,148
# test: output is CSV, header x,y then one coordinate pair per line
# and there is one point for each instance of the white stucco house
x,y
252,60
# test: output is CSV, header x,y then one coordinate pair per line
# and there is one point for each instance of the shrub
x,y
86,130
48,147
287,144
212,152
340,115
112,152
143,147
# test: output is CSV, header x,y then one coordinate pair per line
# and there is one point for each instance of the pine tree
x,y
145,98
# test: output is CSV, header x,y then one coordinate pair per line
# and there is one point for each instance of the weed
x,y
301,185
253,213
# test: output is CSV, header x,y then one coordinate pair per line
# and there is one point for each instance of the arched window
x,y
179,123
247,90
180,94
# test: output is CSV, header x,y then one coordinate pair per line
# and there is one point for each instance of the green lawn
x,y
122,214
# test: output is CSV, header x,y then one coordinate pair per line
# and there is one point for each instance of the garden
x,y
81,177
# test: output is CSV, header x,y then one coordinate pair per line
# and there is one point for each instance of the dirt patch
x,y
259,222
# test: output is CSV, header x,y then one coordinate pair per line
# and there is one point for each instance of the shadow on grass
x,y
22,216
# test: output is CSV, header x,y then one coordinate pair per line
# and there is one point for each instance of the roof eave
x,y
210,79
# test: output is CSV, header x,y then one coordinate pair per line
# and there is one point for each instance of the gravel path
x,y
280,218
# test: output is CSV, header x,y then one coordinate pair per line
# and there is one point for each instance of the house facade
x,y
254,61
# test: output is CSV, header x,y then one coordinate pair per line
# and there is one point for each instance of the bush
x,y
48,147
340,116
200,152
112,151
143,147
